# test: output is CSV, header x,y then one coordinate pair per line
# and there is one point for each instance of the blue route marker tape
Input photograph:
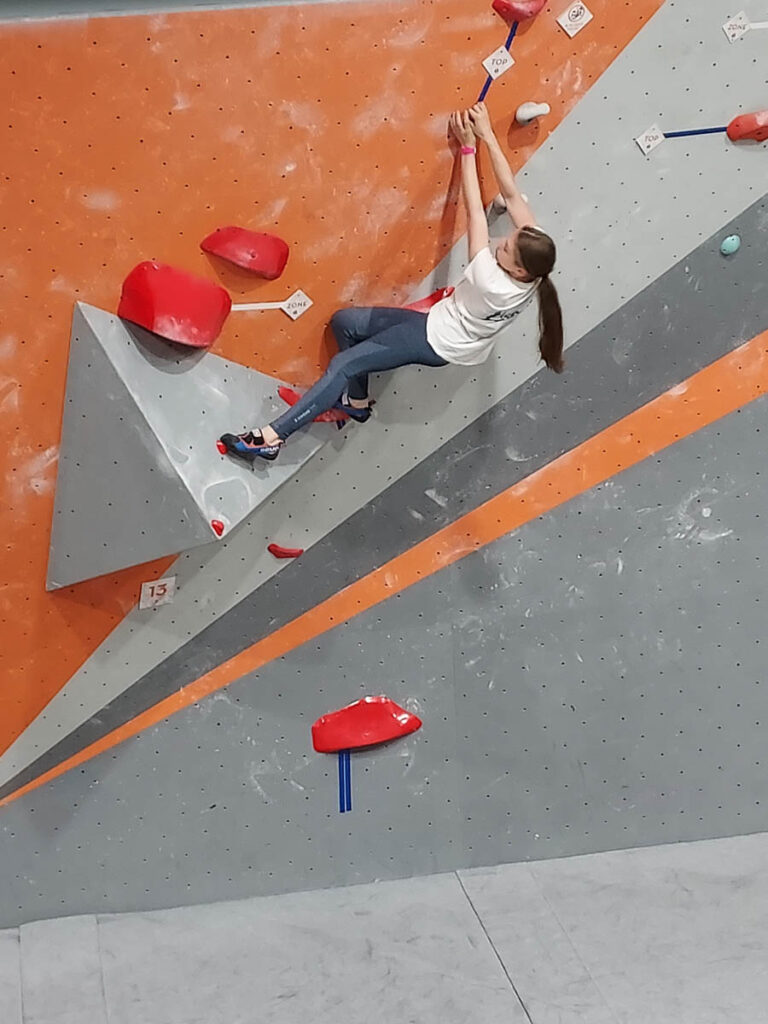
x,y
345,782
694,131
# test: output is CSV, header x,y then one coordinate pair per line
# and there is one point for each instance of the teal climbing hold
x,y
730,245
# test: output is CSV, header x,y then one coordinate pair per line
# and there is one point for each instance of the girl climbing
x,y
461,328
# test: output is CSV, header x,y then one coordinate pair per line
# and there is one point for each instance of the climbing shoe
x,y
247,446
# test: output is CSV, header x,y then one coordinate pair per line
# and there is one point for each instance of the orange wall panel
x,y
131,138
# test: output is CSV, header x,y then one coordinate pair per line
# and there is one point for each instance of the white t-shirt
x,y
462,327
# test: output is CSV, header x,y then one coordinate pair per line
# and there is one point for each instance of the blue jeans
x,y
370,340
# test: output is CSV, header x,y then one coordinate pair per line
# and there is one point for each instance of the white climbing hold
x,y
528,112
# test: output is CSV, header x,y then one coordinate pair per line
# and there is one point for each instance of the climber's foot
x,y
360,412
251,445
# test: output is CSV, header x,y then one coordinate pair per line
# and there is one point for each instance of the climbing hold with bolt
x,y
730,245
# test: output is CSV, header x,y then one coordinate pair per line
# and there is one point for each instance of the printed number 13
x,y
158,589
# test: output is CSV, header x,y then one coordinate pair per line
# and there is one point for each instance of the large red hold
x,y
518,10
265,255
424,305
174,304
367,721
749,126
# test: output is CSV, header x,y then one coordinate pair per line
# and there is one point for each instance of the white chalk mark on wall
x,y
36,473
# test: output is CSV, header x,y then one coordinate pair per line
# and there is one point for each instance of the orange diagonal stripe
x,y
708,395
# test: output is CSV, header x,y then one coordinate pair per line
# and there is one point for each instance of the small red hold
x,y
174,304
367,721
749,126
263,254
218,527
291,397
424,305
280,552
222,447
518,10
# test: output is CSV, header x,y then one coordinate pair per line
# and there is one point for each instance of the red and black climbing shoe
x,y
248,446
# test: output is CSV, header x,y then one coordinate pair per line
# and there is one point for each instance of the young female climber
x,y
461,328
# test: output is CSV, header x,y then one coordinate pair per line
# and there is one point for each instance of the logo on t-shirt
x,y
501,316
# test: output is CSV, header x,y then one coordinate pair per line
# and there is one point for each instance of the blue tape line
x,y
694,131
345,781
489,80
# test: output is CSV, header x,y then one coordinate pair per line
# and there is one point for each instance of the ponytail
x,y
550,326
538,255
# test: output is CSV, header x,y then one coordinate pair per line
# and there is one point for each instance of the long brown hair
x,y
538,255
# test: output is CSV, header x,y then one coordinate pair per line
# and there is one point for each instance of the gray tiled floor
x,y
666,934
10,977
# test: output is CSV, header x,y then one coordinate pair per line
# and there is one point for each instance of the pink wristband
x,y
467,150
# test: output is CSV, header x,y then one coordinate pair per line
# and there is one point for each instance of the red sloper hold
x,y
174,304
749,126
265,255
518,10
367,721
424,305
280,552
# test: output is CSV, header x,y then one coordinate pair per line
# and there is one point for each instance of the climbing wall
x,y
558,575
14,9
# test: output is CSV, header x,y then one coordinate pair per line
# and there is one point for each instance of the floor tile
x,y
552,981
10,977
61,972
672,934
399,952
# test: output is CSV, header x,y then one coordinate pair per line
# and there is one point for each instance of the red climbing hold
x,y
749,126
174,304
280,552
518,10
222,447
265,255
291,397
423,305
367,721
218,527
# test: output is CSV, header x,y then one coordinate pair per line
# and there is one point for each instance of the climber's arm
x,y
477,226
517,208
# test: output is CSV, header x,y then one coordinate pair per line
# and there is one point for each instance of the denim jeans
x,y
369,340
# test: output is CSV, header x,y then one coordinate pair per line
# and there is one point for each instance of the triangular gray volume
x,y
139,474
189,397
119,501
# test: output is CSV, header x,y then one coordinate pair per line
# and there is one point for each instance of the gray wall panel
x,y
617,695
592,681
229,798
